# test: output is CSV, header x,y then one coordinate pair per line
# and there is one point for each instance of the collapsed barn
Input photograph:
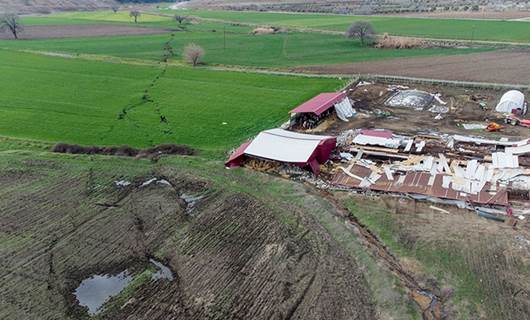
x,y
416,142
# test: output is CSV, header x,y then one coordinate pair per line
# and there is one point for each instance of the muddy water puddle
x,y
95,291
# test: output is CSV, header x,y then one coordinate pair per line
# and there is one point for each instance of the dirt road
x,y
82,30
495,67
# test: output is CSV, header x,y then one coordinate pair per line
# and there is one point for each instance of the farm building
x,y
510,101
300,149
311,112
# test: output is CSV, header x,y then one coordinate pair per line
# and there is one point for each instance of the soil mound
x,y
125,150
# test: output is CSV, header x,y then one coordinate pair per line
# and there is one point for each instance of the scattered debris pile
x,y
490,176
461,170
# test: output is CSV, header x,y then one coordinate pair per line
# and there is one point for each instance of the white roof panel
x,y
283,145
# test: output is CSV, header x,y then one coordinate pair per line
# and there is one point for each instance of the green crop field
x,y
493,30
90,102
66,18
224,45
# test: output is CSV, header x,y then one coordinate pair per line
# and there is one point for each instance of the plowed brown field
x,y
233,255
511,67
82,30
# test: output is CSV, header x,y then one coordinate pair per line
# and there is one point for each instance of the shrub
x,y
392,42
193,54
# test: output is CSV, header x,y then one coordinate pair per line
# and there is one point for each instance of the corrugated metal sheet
x,y
417,182
320,103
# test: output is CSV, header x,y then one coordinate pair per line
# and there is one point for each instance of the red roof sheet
x,y
377,133
417,183
235,157
320,103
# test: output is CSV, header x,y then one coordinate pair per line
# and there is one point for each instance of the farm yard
x,y
111,149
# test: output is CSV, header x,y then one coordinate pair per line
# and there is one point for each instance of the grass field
x,y
95,17
493,30
482,268
76,101
224,44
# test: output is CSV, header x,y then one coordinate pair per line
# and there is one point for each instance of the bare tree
x,y
135,14
115,8
361,30
180,19
193,54
11,22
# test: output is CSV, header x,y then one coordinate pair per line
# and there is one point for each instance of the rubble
x,y
424,161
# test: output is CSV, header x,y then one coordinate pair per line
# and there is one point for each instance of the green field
x,y
76,101
224,44
66,18
493,30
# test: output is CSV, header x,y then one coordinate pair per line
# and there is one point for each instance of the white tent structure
x,y
511,100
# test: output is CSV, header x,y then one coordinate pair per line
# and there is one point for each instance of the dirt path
x,y
494,67
84,30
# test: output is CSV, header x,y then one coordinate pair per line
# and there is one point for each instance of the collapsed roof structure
x,y
300,149
386,162
483,174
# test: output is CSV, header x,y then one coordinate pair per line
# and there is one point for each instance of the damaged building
x,y
411,142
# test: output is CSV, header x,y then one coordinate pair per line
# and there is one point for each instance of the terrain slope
x,y
234,255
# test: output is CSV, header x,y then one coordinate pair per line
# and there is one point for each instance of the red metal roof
x,y
236,157
417,183
320,103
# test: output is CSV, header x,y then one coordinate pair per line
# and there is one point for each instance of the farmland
x,y
79,101
60,233
502,66
238,243
488,30
224,44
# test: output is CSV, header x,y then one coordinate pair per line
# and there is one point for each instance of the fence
x,y
454,83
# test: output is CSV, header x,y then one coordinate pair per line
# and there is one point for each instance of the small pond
x,y
94,291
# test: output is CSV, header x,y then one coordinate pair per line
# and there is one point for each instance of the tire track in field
x,y
147,99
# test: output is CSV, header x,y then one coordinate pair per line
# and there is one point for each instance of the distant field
x,y
513,31
106,16
76,101
235,47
